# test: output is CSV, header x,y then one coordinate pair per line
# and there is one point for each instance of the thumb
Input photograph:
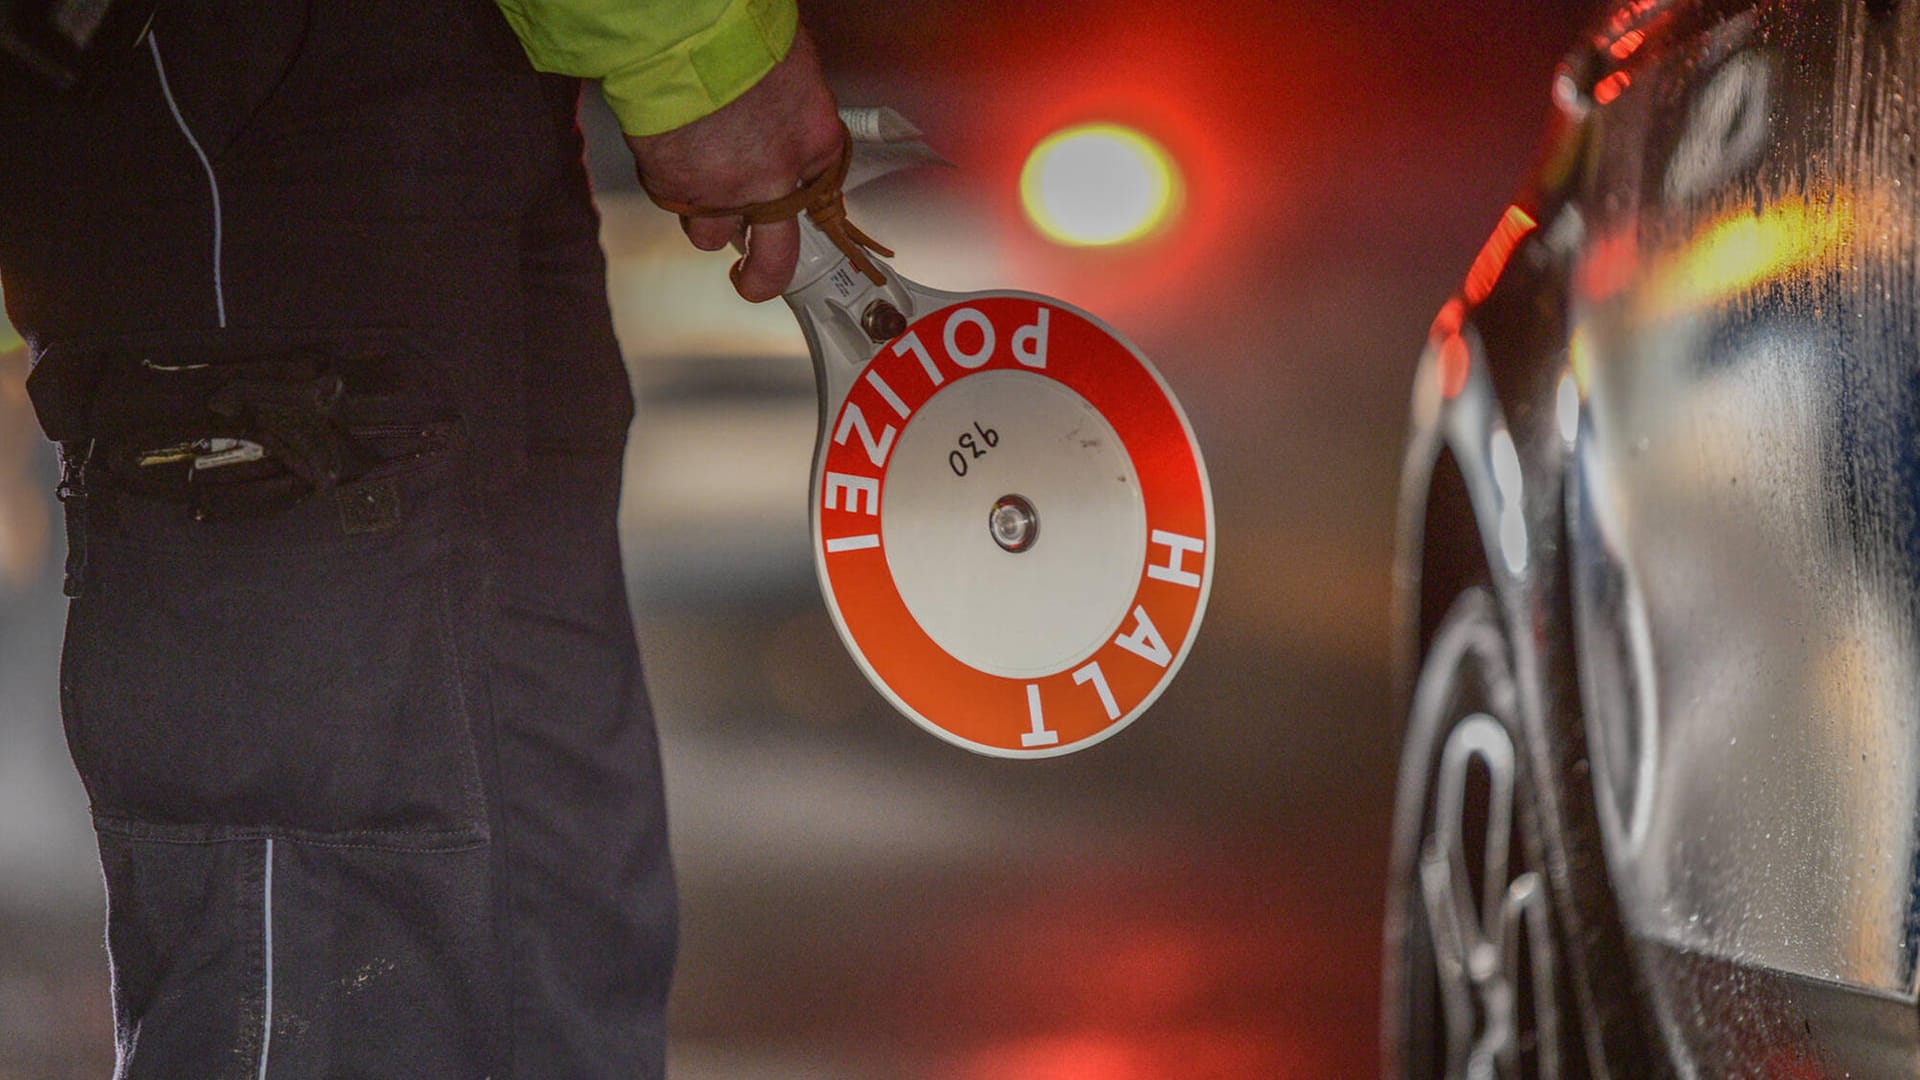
x,y
772,251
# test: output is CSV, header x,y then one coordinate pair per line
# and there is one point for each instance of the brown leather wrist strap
x,y
820,199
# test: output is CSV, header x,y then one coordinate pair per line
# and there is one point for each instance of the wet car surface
x,y
1658,812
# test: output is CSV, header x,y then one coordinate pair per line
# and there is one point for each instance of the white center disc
x,y
1026,612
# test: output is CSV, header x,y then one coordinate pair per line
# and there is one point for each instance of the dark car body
x,y
1659,581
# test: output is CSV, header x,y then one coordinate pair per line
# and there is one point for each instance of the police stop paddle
x,y
1011,521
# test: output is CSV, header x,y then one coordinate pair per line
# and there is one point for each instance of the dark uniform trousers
x,y
374,777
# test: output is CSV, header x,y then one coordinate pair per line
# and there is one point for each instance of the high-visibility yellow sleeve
x,y
660,63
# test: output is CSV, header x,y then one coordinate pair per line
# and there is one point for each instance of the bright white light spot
x,y
1567,408
1506,467
1098,184
1507,482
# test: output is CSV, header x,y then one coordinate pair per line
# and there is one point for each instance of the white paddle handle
x,y
845,317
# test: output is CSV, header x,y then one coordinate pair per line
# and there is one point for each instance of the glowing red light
x,y
1628,14
1487,267
1447,323
1159,70
1137,1055
1624,46
1610,87
1629,28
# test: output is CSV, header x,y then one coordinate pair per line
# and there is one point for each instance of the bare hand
x,y
762,145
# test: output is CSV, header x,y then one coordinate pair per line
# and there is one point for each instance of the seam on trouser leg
x,y
213,182
266,939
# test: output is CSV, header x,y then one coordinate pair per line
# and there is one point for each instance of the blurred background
x,y
1199,896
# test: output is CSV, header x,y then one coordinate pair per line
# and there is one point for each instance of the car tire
x,y
1477,983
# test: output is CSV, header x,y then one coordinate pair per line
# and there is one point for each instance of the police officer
x,y
318,317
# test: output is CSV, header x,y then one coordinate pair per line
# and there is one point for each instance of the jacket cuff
x,y
701,73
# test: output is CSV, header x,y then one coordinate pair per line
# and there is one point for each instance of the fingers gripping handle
x,y
818,201
848,301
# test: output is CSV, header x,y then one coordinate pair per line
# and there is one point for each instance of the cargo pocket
x,y
280,675
307,673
